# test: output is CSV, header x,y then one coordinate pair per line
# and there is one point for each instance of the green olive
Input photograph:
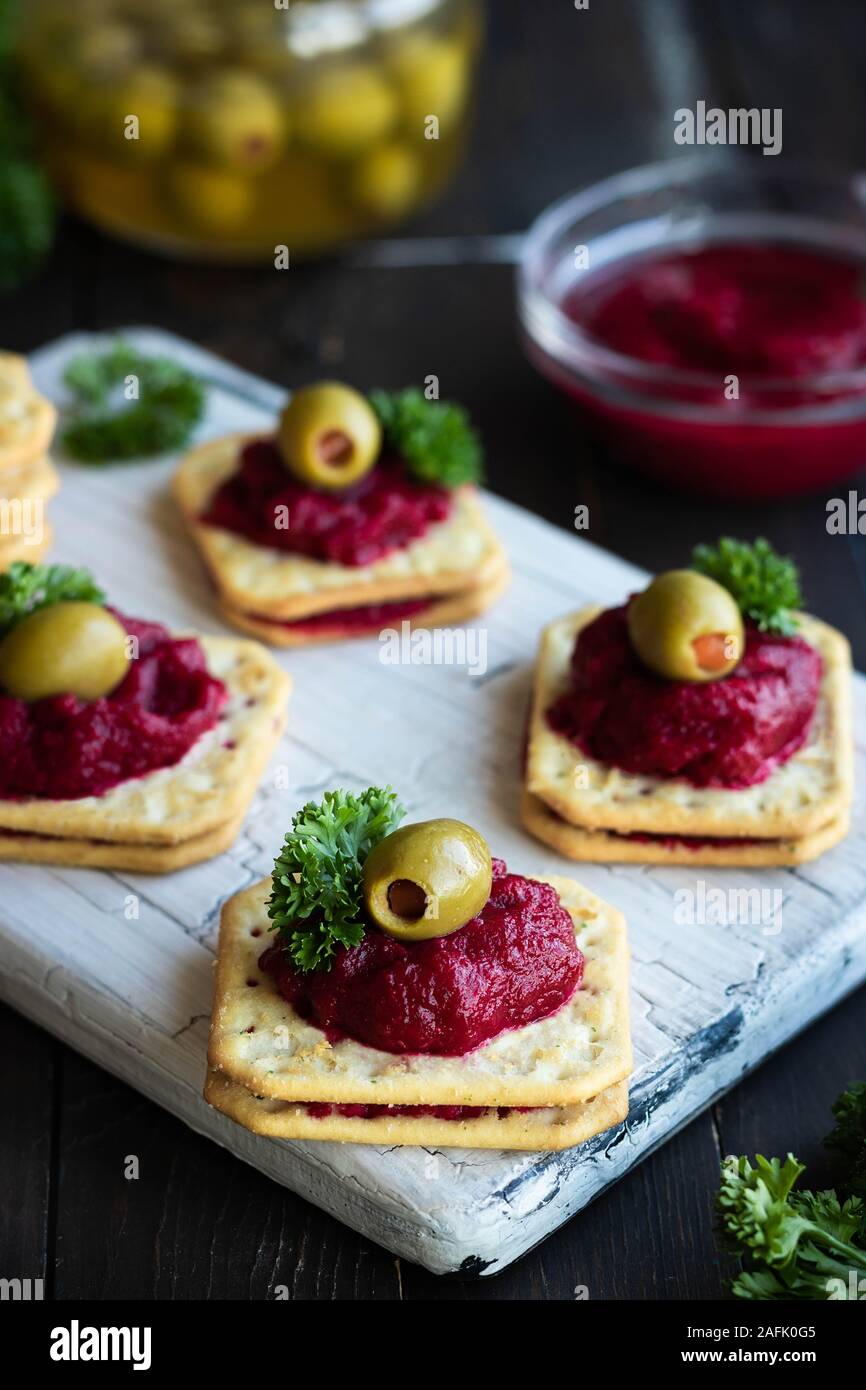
x,y
346,110
686,627
329,435
211,201
432,78
149,94
386,181
234,120
427,879
64,649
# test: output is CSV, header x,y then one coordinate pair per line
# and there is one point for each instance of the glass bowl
x,y
778,435
229,129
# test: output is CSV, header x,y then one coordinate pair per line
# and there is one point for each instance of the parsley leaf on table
x,y
796,1244
316,902
169,405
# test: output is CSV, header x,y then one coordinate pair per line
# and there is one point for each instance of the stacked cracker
x,y
458,565
28,478
266,1064
173,816
588,810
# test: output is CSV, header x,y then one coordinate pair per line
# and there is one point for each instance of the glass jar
x,y
230,129
732,432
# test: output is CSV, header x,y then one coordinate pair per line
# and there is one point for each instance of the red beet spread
x,y
356,526
693,842
727,733
320,1110
771,311
64,747
367,617
514,963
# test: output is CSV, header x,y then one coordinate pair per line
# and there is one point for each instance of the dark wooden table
x,y
566,97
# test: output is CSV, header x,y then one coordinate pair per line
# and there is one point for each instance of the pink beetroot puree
x,y
693,842
367,617
759,311
383,512
778,317
514,963
64,747
320,1110
727,733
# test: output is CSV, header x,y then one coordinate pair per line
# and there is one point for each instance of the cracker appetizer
x,y
28,478
416,992
705,721
357,514
122,745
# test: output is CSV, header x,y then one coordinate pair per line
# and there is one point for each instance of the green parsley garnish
x,y
316,903
168,406
765,585
24,588
27,218
435,438
848,1138
798,1244
28,210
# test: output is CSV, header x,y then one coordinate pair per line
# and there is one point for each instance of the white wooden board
x,y
708,1002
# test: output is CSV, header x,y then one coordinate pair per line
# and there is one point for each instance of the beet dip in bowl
x,y
709,319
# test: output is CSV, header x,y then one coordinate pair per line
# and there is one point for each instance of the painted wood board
x,y
709,1002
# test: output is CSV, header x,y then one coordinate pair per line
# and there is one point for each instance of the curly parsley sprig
x,y
848,1137
28,207
435,438
316,902
24,588
798,1244
169,404
27,219
766,585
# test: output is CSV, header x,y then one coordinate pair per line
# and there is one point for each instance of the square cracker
x,y
27,419
211,786
454,555
258,1041
550,1127
450,608
812,789
36,481
608,847
14,548
102,854
14,374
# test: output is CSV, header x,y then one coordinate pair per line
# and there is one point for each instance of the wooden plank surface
x,y
707,1003
561,103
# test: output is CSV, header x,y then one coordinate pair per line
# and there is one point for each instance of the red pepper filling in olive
x,y
365,618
